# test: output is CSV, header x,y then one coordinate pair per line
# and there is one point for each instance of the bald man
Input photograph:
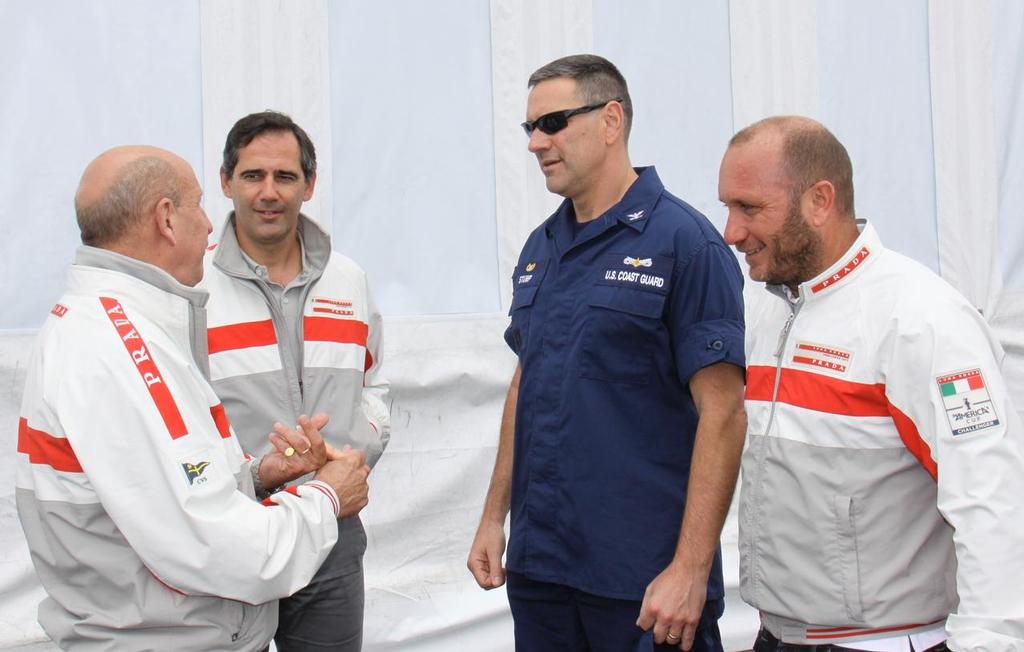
x,y
136,500
881,504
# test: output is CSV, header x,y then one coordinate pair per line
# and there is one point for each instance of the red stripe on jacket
x,y
329,329
148,371
817,392
846,632
240,336
269,500
342,331
813,391
261,333
220,417
43,448
912,440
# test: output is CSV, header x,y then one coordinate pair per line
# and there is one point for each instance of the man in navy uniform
x,y
623,426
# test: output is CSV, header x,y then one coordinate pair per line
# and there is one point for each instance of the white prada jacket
x,y
340,348
884,473
134,495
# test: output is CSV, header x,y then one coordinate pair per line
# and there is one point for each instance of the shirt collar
x,y
261,270
633,210
315,243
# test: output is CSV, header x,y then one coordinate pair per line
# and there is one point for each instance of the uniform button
x,y
284,300
716,345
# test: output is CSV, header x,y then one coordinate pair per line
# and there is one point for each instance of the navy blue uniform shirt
x,y
609,327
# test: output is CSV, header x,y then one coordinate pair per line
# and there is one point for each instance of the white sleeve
x,y
944,375
169,480
375,386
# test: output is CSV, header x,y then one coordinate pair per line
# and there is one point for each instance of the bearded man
x,y
879,507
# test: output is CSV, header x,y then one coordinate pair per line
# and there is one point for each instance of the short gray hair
x,y
597,78
139,185
810,153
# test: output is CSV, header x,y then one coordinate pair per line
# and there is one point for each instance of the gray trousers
x,y
328,614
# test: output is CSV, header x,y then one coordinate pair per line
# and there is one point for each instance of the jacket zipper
x,y
779,348
783,336
280,328
278,320
303,296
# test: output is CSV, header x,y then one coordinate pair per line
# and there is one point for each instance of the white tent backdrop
x,y
425,179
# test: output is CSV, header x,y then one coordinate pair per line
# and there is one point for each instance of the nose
x,y
267,189
209,225
539,141
735,231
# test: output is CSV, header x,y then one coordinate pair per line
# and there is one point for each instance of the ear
x,y
224,186
310,184
614,122
821,200
165,216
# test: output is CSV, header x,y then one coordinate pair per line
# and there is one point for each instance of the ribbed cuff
x,y
328,491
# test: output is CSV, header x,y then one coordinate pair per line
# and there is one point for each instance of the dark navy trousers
x,y
557,618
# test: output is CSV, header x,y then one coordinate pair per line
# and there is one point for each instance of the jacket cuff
x,y
328,491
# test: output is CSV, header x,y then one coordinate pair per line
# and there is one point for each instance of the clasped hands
x,y
302,450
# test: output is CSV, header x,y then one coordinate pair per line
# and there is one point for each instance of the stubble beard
x,y
797,249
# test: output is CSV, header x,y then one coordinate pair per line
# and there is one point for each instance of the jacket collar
x,y
86,256
178,309
316,249
862,254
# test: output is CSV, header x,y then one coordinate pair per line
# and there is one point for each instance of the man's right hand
x,y
485,554
346,472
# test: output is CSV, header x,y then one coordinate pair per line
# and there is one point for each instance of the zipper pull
x,y
784,334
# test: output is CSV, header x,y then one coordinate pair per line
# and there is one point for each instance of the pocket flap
x,y
522,297
624,299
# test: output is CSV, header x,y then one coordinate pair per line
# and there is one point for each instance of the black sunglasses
x,y
552,123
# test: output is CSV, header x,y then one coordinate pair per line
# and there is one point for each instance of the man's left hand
x,y
672,605
296,451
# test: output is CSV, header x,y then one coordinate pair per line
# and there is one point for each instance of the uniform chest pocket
x,y
623,333
526,283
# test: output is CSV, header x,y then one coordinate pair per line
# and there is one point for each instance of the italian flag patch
x,y
961,385
967,402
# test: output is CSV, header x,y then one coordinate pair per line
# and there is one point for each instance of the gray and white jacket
x,y
134,494
884,470
340,347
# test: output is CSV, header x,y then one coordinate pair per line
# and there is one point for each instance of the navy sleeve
x,y
706,310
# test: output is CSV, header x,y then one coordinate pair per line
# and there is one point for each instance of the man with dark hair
x,y
256,124
626,406
292,330
880,507
134,495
